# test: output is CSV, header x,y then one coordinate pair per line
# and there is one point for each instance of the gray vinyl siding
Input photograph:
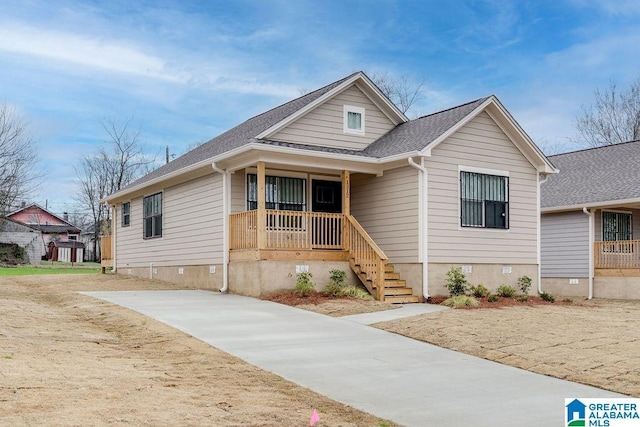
x,y
324,126
192,231
481,144
635,222
387,208
564,244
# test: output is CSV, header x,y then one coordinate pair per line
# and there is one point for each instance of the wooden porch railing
x,y
618,254
291,230
367,258
287,230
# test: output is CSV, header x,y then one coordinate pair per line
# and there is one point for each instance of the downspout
x,y
423,186
225,227
541,180
591,243
114,232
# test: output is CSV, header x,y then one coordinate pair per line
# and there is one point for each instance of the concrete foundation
x,y
260,278
192,276
489,275
603,287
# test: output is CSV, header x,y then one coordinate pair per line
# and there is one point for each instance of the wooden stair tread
x,y
402,299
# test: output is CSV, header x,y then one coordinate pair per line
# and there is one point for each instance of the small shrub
x,y
523,298
304,285
547,297
524,283
493,298
334,288
505,291
568,300
458,301
456,282
353,291
479,291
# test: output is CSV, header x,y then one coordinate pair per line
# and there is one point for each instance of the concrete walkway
x,y
390,376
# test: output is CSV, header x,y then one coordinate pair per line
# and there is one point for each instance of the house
x,y
340,179
576,410
28,238
590,218
50,225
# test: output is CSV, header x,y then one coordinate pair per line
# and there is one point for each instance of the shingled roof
x,y
594,176
408,137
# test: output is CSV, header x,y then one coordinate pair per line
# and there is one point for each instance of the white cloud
x,y
84,50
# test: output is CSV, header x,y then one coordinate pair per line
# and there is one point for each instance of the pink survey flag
x,y
314,418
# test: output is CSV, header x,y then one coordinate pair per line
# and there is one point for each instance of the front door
x,y
326,196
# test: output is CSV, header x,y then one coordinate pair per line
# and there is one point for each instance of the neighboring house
x,y
52,226
337,178
591,223
24,236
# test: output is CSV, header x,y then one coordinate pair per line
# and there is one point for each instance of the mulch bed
x,y
503,302
317,298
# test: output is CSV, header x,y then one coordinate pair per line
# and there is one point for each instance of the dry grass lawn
x,y
68,359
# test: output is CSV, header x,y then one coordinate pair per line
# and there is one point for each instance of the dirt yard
x,y
595,343
68,359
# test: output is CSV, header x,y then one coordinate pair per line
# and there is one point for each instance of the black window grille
x,y
484,200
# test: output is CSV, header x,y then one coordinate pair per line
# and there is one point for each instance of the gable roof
x,y
594,177
408,138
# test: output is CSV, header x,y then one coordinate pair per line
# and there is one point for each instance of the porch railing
x,y
617,254
367,257
287,230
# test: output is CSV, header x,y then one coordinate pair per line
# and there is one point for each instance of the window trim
x,y
489,172
145,217
124,223
353,109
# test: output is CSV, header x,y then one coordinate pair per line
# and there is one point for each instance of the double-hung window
x,y
281,193
152,209
126,214
484,200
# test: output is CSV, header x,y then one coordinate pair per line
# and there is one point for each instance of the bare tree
x,y
613,118
118,163
402,91
17,158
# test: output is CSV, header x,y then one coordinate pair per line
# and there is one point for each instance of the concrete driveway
x,y
390,376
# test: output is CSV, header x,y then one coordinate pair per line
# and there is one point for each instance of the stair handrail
x,y
378,273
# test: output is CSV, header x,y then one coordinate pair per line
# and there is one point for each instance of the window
x,y
282,193
616,226
152,207
72,237
353,119
484,200
126,214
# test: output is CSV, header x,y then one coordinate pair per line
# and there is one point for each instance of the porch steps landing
x,y
395,289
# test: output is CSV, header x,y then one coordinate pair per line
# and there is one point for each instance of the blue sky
x,y
187,70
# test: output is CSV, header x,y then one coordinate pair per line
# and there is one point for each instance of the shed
x,y
68,251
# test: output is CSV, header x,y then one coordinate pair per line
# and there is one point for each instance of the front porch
x,y
617,258
277,235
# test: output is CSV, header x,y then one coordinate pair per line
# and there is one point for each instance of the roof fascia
x,y
603,204
330,94
122,193
538,159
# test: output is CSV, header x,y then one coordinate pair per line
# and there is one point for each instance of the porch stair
x,y
395,290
